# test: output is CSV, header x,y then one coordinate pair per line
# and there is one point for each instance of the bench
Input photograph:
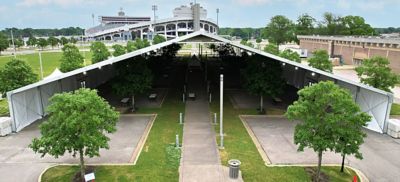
x,y
192,96
153,96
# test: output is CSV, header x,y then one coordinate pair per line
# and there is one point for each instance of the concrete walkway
x,y
200,158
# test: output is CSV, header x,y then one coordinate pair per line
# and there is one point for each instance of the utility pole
x,y
93,18
154,8
12,40
217,20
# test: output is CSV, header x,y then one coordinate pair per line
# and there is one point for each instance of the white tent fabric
x,y
55,73
29,103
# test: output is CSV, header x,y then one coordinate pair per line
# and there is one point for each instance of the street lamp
x,y
221,115
154,8
217,19
12,40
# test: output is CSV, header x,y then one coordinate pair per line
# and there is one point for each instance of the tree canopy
x,y
4,44
272,49
158,39
133,77
329,121
64,40
130,46
32,41
263,77
280,30
16,74
320,60
78,122
42,43
118,50
71,58
99,52
291,55
377,73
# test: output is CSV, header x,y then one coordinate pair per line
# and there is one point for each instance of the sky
x,y
233,13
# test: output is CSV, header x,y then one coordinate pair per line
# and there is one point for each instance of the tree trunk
x,y
133,103
82,165
342,169
261,104
319,165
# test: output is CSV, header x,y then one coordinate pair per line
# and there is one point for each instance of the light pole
x,y
41,65
12,40
221,115
154,8
217,16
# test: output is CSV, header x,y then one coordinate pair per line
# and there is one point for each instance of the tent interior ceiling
x,y
28,104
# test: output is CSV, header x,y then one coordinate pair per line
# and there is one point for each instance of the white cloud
x,y
344,4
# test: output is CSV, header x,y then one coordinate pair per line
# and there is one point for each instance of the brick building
x,y
353,50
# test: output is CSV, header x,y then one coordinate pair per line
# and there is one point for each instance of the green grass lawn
x,y
395,109
4,108
239,145
50,60
159,160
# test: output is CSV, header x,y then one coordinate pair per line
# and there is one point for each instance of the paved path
x,y
200,158
381,153
20,163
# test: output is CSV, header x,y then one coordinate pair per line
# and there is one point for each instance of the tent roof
x,y
55,73
201,37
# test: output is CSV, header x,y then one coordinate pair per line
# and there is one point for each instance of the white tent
x,y
28,104
55,73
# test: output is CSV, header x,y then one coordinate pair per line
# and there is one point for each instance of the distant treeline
x,y
387,30
28,32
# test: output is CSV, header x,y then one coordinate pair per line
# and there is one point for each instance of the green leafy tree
x,y
71,58
118,50
246,43
72,40
158,39
305,25
100,52
141,43
78,122
280,30
32,41
258,40
329,121
377,73
355,25
320,60
16,74
42,43
52,41
133,77
64,40
18,42
291,55
130,46
272,49
4,44
263,77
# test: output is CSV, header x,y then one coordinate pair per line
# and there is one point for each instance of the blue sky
x,y
233,13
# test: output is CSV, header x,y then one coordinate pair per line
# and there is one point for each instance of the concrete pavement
x,y
20,163
381,153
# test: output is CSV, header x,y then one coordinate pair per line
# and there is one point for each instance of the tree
x,y
291,55
72,40
272,49
320,60
100,52
329,121
258,40
263,77
71,58
305,25
78,122
3,42
32,41
355,25
52,41
16,74
133,77
246,43
158,39
141,43
377,73
130,46
42,43
64,40
18,43
280,30
118,50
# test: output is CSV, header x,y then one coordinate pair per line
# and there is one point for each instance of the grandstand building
x,y
185,20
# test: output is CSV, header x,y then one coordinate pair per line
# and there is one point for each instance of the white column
x,y
221,115
165,32
176,30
